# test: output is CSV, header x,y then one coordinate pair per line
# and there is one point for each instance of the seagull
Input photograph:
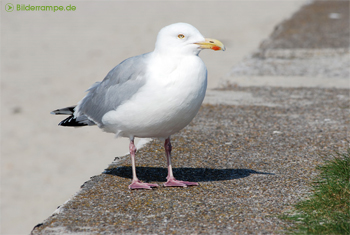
x,y
152,95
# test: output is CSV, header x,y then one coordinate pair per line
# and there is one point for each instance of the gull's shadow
x,y
149,174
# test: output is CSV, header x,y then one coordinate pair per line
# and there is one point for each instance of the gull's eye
x,y
181,36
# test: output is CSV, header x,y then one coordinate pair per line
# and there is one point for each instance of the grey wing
x,y
120,84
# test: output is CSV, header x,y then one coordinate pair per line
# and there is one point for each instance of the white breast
x,y
166,104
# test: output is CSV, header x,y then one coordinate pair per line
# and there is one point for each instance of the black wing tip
x,y
71,121
64,111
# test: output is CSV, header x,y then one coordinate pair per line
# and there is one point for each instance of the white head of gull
x,y
153,95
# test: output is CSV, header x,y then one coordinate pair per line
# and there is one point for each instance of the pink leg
x,y
171,179
136,183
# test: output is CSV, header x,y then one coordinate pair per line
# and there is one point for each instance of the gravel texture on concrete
x,y
252,162
314,42
321,24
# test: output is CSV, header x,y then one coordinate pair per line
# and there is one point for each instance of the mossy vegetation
x,y
327,210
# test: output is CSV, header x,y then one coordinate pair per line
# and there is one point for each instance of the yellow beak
x,y
213,44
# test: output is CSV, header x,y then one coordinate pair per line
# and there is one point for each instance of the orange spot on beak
x,y
213,44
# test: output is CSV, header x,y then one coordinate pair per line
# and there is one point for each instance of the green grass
x,y
327,210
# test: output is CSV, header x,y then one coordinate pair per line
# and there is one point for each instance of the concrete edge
x,y
285,81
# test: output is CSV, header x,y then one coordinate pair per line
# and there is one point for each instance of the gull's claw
x,y
140,185
172,182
